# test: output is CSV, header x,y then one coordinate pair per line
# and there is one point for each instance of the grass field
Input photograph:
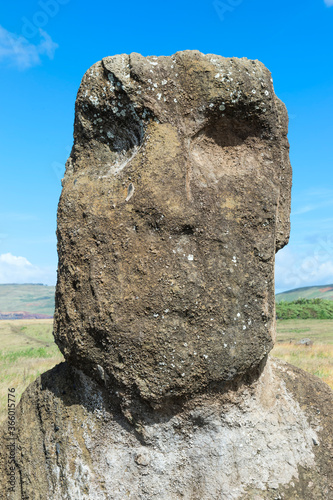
x,y
28,349
317,358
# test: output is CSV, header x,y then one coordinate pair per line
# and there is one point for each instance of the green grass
x,y
39,352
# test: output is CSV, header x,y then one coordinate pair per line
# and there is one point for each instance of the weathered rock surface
x,y
271,439
175,198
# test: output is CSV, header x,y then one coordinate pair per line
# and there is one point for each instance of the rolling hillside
x,y
308,292
23,301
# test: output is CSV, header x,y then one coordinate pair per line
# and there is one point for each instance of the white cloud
x,y
19,52
19,270
293,271
329,3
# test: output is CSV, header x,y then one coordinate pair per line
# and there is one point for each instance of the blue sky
x,y
47,45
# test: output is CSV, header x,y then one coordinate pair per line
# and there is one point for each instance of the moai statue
x,y
175,199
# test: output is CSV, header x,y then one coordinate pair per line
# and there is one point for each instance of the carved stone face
x,y
175,199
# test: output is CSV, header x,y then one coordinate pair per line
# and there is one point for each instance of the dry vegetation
x,y
316,358
27,350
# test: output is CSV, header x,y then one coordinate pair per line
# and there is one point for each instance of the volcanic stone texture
x,y
175,198
268,440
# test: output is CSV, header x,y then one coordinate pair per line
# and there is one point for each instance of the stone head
x,y
175,199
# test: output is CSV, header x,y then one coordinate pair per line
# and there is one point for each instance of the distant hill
x,y
23,315
28,300
308,292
